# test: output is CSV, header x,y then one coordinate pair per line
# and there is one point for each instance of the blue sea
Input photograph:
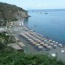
x,y
49,22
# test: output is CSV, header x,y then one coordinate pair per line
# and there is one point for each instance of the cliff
x,y
10,12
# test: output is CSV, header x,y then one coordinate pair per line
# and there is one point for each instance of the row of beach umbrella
x,y
55,44
33,42
39,45
34,39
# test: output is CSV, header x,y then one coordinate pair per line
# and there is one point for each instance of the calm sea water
x,y
51,25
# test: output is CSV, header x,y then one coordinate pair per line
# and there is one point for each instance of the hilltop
x,y
10,12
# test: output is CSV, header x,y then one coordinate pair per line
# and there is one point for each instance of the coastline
x,y
57,50
36,43
38,33
51,25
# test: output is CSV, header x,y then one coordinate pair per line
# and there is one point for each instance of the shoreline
x,y
36,39
41,34
34,42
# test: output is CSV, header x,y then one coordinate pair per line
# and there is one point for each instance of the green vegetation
x,y
7,13
6,38
9,56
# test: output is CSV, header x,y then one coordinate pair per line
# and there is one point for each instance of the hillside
x,y
10,12
9,56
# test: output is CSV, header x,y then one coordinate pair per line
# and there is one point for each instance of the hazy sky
x,y
37,4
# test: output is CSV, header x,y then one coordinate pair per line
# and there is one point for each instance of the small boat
x,y
46,13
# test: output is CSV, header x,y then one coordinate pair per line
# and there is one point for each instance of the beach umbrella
x,y
39,41
45,45
36,39
56,42
51,43
37,44
40,47
45,40
50,40
55,45
49,47
34,43
42,43
60,45
31,41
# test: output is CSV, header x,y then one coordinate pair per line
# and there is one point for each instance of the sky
x,y
37,4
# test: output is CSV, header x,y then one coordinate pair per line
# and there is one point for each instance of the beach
x,y
35,43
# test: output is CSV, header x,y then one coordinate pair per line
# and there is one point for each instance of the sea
x,y
50,23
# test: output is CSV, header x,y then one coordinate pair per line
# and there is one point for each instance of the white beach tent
x,y
53,54
62,51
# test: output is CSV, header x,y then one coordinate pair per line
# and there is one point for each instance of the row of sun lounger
x,y
47,40
34,40
35,44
